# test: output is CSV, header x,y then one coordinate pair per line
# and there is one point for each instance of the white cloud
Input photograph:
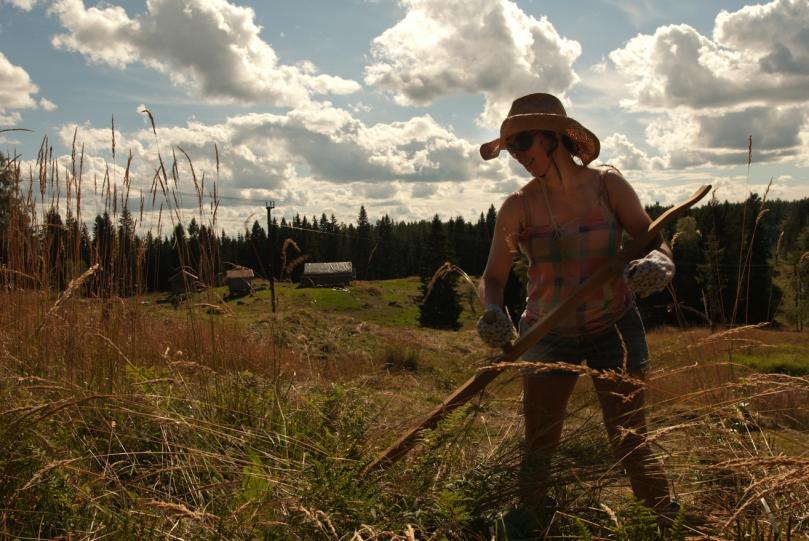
x,y
17,91
619,151
47,105
709,94
16,88
443,48
211,46
677,66
686,139
803,136
776,33
311,158
25,5
424,190
9,119
318,141
388,190
758,55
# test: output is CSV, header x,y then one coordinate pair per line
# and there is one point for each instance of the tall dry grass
x,y
119,424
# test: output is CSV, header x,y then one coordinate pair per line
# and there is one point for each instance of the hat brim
x,y
491,150
585,144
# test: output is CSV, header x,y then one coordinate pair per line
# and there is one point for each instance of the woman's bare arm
x,y
501,252
629,210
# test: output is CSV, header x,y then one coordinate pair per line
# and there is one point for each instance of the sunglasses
x,y
520,142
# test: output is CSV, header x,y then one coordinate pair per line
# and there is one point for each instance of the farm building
x,y
239,281
184,281
339,273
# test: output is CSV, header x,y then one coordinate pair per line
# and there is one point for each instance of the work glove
x,y
649,274
495,327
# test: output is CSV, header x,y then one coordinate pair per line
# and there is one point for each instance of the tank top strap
x,y
527,222
603,192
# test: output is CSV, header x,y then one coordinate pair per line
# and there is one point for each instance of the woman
x,y
568,221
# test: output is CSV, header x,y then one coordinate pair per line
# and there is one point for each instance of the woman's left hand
x,y
649,274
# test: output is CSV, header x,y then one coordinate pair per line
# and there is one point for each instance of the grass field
x,y
219,419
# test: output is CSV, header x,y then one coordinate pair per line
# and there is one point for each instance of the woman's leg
x,y
545,398
622,403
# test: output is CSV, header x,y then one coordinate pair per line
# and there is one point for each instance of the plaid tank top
x,y
559,261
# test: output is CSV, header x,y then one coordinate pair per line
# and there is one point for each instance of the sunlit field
x,y
125,415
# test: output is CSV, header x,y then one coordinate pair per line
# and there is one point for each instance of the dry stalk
x,y
42,471
68,293
320,519
292,264
442,271
179,510
732,332
538,367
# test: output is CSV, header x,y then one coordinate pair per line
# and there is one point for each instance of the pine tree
x,y
258,246
440,308
362,245
383,261
491,219
9,203
54,242
126,254
6,190
104,250
687,258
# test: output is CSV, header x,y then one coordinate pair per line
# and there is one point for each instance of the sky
x,y
325,105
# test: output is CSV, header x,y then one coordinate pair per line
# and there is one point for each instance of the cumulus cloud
x,y
772,128
443,48
47,105
758,55
17,91
16,88
317,141
750,78
777,34
313,157
686,139
25,5
619,151
10,119
424,190
803,136
211,46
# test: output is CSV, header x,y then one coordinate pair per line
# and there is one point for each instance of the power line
x,y
318,231
229,197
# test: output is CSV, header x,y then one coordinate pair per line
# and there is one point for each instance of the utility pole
x,y
271,268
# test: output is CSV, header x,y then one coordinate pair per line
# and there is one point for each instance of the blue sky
x,y
327,105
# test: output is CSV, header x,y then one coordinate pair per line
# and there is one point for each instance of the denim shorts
x,y
601,351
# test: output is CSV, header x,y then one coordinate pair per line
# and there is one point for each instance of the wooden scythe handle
x,y
474,385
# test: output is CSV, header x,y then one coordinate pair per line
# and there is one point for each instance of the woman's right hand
x,y
495,328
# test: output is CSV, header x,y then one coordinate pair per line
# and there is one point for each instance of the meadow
x,y
127,416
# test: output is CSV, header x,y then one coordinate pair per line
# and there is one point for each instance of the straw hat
x,y
543,112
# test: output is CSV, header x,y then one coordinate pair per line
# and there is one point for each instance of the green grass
x,y
393,303
782,359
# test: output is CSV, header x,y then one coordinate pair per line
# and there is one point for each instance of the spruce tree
x,y
362,245
687,258
440,308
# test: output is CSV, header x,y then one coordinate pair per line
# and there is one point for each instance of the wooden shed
x,y
338,273
239,281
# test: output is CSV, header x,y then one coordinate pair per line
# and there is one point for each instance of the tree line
x,y
730,257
